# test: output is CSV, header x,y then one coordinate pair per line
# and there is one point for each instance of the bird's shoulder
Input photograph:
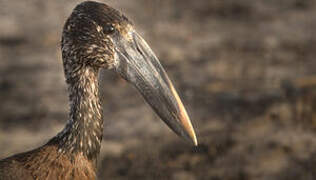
x,y
46,163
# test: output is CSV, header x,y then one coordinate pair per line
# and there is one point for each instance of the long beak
x,y
137,63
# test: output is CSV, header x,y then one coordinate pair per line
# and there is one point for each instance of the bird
x,y
96,36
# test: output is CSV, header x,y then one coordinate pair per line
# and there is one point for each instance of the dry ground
x,y
246,71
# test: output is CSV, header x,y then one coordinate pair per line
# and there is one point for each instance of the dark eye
x,y
108,29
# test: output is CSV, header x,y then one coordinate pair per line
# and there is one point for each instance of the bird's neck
x,y
83,132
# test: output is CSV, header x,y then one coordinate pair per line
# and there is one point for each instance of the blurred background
x,y
245,69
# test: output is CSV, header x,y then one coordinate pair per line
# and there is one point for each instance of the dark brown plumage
x,y
97,36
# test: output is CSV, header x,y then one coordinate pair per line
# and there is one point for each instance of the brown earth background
x,y
245,69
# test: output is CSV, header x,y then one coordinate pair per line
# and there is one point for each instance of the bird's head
x,y
99,36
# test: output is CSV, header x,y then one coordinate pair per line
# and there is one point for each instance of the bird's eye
x,y
108,29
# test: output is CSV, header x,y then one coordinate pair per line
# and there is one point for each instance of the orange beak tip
x,y
195,142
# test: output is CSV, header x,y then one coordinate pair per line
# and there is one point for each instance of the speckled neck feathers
x,y
83,132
